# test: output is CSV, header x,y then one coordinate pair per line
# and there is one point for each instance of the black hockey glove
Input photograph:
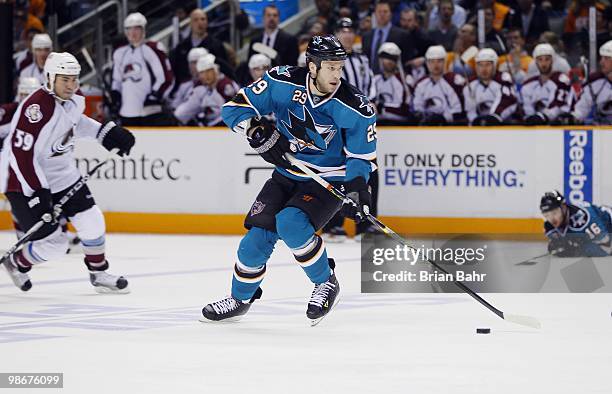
x,y
112,136
536,119
565,119
41,207
115,104
433,120
357,204
152,99
487,120
568,246
268,142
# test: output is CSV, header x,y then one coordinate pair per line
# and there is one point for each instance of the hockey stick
x,y
47,217
518,319
532,261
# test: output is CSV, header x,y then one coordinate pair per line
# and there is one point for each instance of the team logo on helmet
x,y
33,113
317,40
257,208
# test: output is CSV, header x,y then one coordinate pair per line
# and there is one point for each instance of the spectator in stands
x,y
604,26
490,98
433,15
36,12
365,25
438,97
182,93
199,38
466,38
531,19
325,16
445,32
493,39
142,78
547,96
409,21
501,14
517,61
384,32
203,108
41,48
597,91
559,61
25,57
285,44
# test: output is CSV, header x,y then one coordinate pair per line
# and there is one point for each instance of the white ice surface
x,y
150,341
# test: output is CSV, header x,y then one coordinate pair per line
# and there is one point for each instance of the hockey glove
x,y
568,246
41,206
112,136
536,119
357,204
115,104
487,120
565,119
268,142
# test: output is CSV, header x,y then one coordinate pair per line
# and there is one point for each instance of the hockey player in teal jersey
x,y
329,126
576,230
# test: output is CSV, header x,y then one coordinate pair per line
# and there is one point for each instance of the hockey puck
x,y
483,331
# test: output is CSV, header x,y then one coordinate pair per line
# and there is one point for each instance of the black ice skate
x,y
228,309
20,279
324,297
103,282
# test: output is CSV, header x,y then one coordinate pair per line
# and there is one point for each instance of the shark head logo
x,y
308,134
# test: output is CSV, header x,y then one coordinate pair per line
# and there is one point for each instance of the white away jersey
x,y
392,98
550,98
444,97
597,91
39,150
139,72
32,71
203,107
497,98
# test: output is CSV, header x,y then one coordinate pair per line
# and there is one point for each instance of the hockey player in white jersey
x,y
203,107
392,92
438,97
547,96
597,91
184,90
41,47
37,168
490,97
142,77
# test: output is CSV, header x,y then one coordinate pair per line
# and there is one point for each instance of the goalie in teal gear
x,y
575,230
330,127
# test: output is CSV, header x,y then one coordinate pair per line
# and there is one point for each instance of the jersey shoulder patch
x,y
560,78
503,77
36,111
454,79
352,97
294,75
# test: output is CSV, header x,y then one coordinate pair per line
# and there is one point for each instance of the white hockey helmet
x,y
487,55
606,49
543,50
196,53
302,60
389,50
42,41
62,63
26,86
435,52
259,60
135,19
206,62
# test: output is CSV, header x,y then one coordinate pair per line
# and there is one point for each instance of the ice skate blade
x,y
314,322
106,290
234,319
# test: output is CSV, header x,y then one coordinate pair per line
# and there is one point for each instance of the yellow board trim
x,y
182,223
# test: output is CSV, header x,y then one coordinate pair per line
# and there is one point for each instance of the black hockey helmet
x,y
551,200
345,23
324,48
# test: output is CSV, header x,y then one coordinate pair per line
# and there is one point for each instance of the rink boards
x,y
195,180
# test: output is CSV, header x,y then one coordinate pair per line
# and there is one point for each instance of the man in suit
x,y
282,42
199,38
384,32
531,19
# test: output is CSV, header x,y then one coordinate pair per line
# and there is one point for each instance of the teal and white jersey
x,y
335,134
